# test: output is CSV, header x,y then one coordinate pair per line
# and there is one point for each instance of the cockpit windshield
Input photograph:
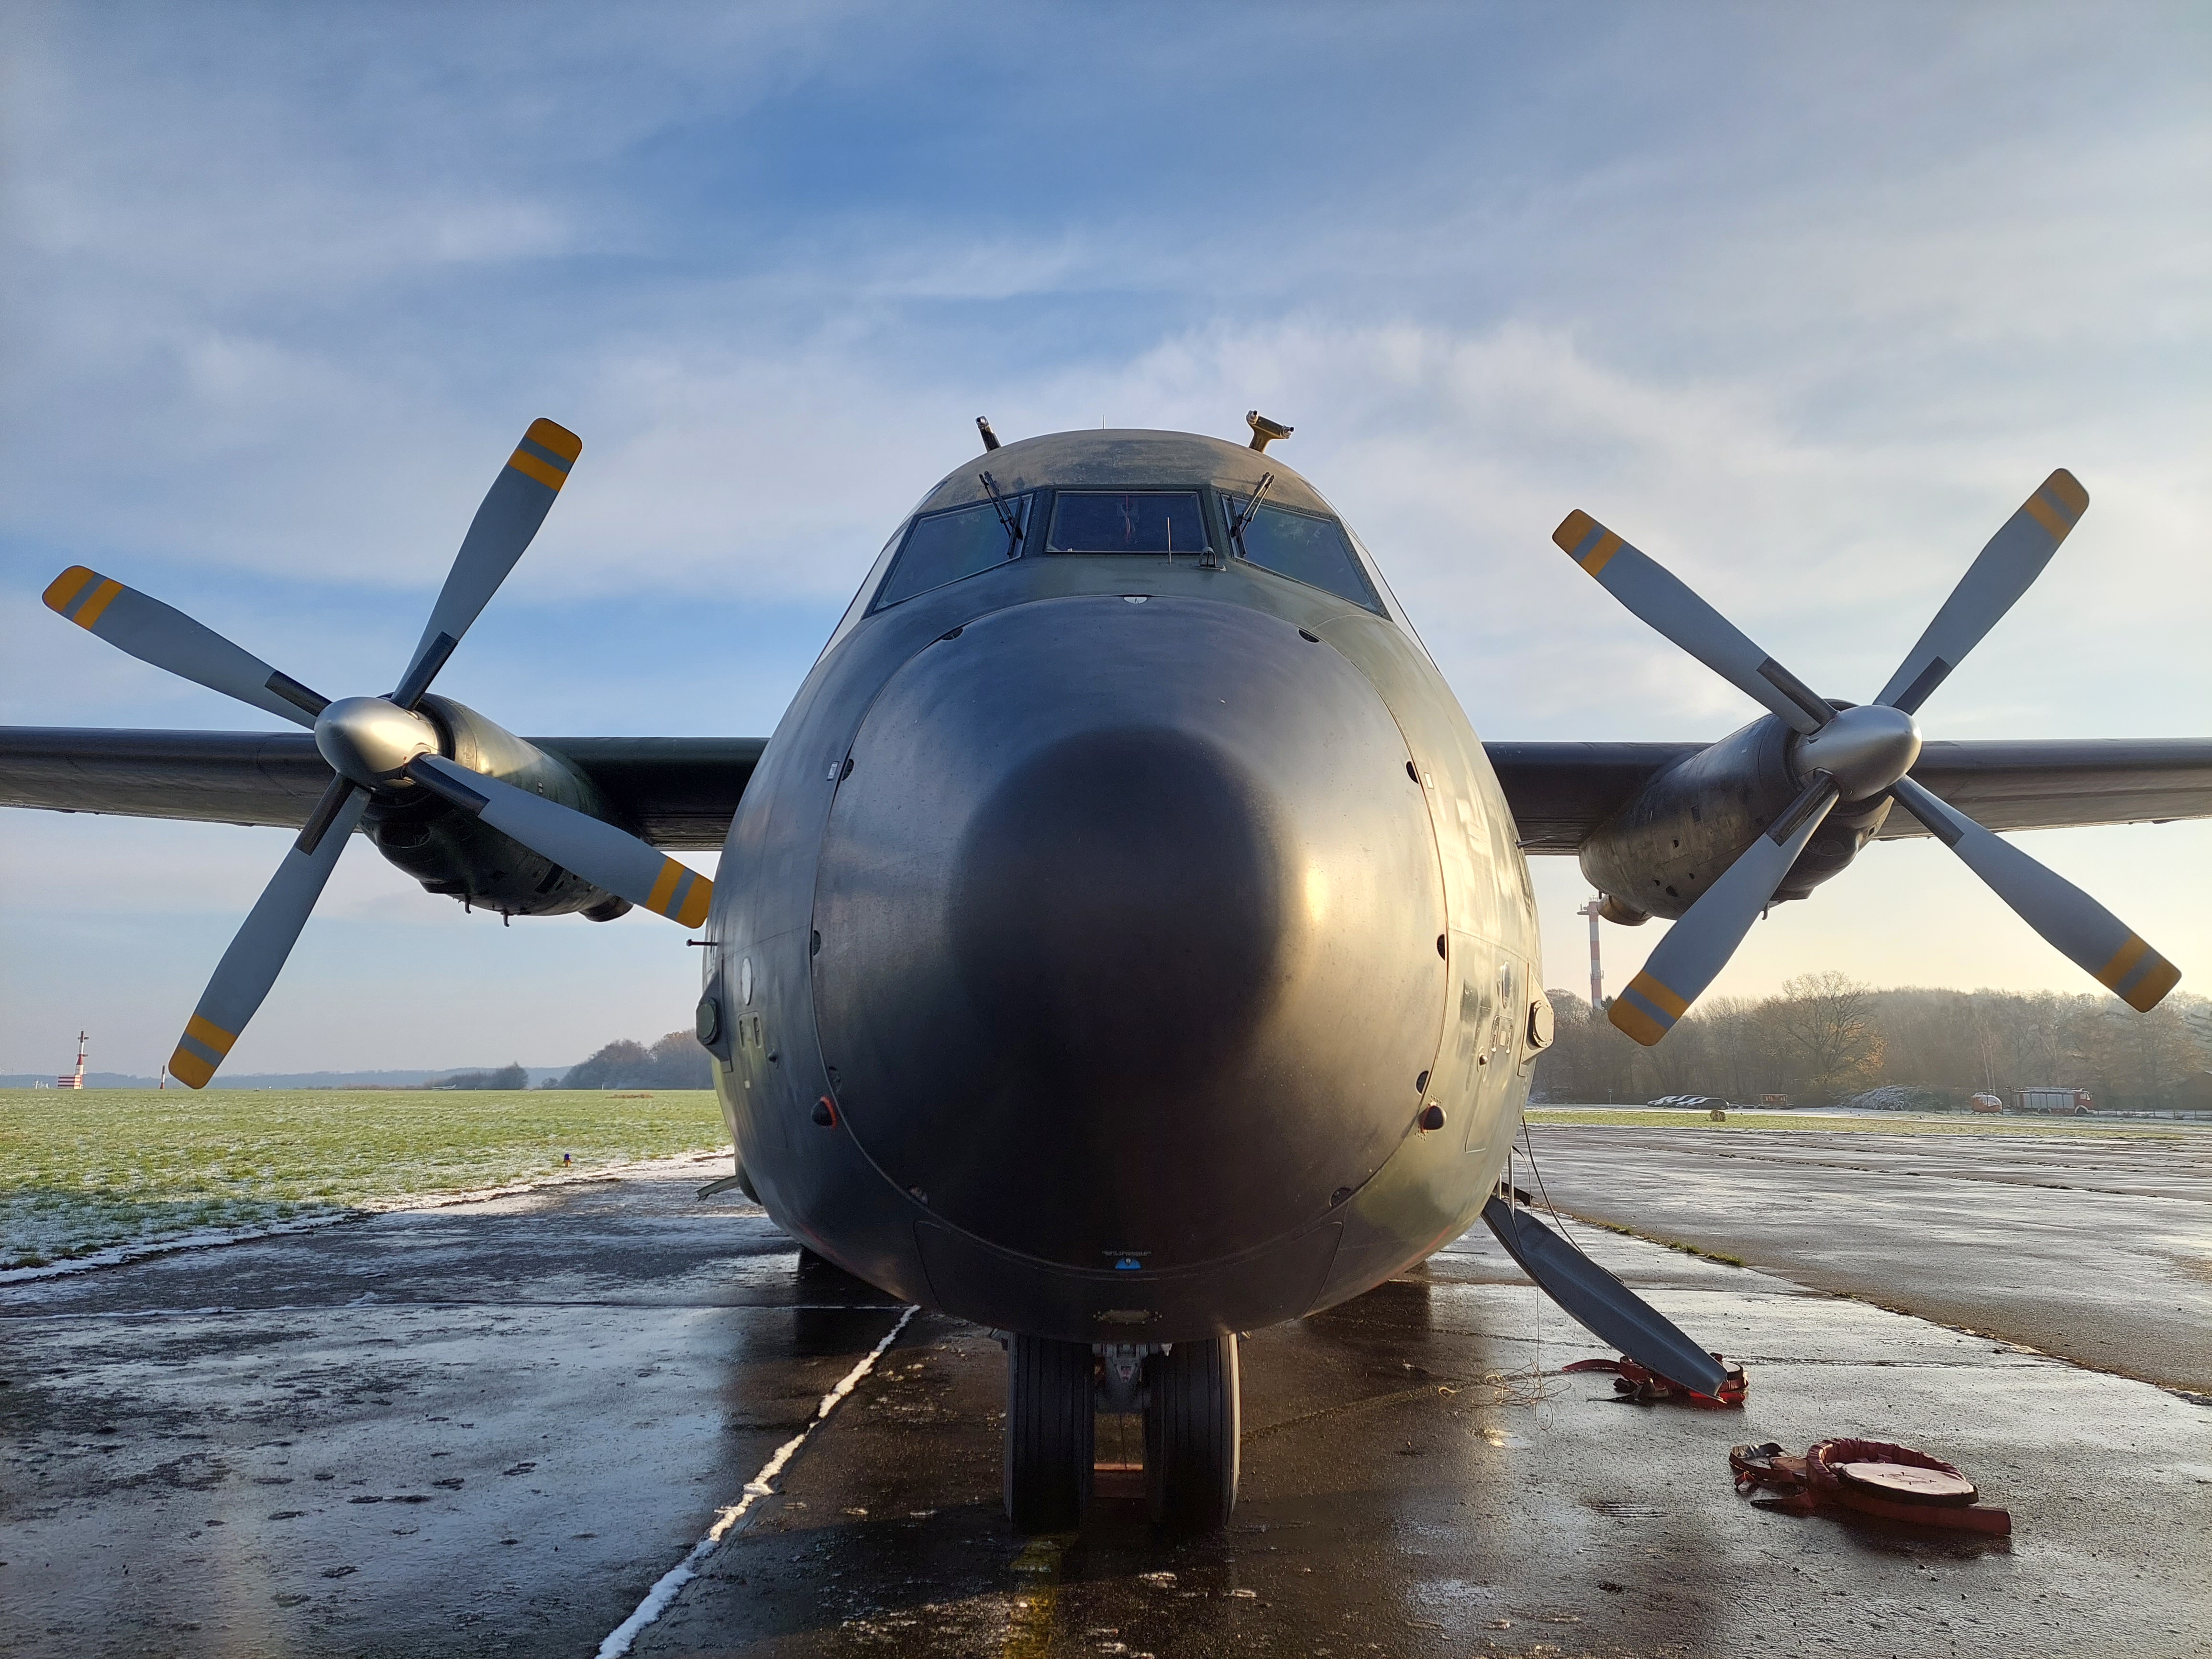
x,y
1150,521
1303,546
944,547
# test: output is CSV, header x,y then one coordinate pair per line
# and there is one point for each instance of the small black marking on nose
x,y
1339,1196
953,633
815,950
1431,1119
1421,1084
1304,633
1413,771
848,772
1440,943
825,1114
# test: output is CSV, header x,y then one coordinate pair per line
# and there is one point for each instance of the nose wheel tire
x,y
1191,1423
1048,1434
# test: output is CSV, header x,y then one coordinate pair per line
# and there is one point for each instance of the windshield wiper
x,y
1244,514
1008,515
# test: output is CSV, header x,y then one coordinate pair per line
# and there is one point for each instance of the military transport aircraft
x,y
1124,941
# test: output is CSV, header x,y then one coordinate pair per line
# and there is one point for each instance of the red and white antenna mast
x,y
77,1080
1593,910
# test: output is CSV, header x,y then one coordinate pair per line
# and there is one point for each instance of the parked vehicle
x,y
2063,1103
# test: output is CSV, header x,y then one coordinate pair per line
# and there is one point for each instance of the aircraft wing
x,y
1560,791
681,792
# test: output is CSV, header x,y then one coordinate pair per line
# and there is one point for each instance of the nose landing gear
x,y
1191,1411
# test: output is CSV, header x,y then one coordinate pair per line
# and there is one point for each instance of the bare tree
x,y
1823,1017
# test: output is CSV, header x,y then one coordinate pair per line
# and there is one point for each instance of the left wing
x,y
681,792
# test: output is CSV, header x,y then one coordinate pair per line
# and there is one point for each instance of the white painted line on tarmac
x,y
658,1598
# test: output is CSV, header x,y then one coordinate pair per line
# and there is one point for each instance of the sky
x,y
1804,301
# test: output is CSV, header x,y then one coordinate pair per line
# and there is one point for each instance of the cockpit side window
x,y
1305,546
945,547
1153,522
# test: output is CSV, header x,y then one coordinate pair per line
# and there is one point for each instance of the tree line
x,y
1826,1037
676,1061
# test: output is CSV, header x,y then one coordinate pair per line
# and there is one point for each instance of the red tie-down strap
x,y
1644,1385
1872,1477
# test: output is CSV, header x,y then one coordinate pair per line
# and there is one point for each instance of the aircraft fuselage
x,y
1102,925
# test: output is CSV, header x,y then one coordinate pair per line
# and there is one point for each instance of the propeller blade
x,y
512,509
257,956
1601,1303
165,637
1699,945
1662,599
2083,930
2003,570
602,854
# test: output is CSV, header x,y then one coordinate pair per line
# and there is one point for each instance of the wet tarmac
x,y
2097,1249
494,1428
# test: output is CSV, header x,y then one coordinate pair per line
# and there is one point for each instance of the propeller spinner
x,y
1858,754
378,745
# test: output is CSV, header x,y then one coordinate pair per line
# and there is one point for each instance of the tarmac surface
x,y
2097,1249
494,1428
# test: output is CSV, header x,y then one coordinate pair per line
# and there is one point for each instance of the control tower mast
x,y
1597,973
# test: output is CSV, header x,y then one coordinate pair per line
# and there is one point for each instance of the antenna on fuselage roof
x,y
1265,431
983,426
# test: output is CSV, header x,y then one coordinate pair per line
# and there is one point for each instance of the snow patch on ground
x,y
32,1229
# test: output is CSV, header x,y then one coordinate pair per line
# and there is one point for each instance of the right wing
x,y
1560,791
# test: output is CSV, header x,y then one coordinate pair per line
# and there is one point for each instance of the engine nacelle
x,y
1660,852
453,852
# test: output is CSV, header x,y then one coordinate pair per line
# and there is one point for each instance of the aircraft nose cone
x,y
1128,917
1118,909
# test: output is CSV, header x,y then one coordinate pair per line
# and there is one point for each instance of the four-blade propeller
x,y
378,745
1858,755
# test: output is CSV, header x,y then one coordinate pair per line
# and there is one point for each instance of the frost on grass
x,y
81,1172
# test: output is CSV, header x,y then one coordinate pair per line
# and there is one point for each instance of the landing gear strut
x,y
1191,1422
1048,1433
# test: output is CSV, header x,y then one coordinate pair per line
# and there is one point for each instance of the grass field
x,y
84,1172
1887,1123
